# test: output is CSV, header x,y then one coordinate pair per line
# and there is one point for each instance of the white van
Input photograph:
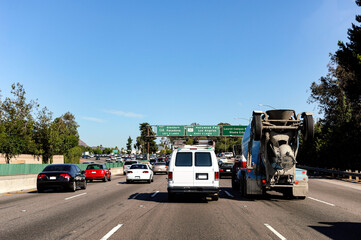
x,y
193,169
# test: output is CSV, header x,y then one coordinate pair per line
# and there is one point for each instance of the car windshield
x,y
54,168
227,164
130,163
138,166
160,163
94,167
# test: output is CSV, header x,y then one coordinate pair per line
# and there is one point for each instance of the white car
x,y
139,172
193,169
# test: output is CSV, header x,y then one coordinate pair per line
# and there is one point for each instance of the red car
x,y
98,172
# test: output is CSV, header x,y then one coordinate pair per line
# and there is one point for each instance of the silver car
x,y
160,167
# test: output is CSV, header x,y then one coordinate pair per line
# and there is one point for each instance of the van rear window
x,y
203,159
184,159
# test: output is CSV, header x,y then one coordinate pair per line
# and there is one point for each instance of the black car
x,y
61,176
225,169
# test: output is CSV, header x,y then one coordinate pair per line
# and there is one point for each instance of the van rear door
x,y
203,169
183,169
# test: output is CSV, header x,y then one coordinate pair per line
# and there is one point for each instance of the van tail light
x,y
170,176
129,172
145,171
216,175
40,176
65,175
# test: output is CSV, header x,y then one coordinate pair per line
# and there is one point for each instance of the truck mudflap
x,y
253,187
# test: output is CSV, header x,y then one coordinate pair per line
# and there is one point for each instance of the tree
x,y
129,145
145,140
17,124
338,94
44,136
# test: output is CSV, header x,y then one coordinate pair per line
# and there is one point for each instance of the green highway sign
x,y
170,130
203,130
236,131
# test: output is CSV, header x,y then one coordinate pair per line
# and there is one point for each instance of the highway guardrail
x,y
334,172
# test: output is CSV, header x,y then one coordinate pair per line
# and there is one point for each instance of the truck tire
x,y
235,185
308,128
257,127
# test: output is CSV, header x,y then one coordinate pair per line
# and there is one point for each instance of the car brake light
x,y
40,176
221,170
216,175
145,171
193,148
64,175
170,176
129,172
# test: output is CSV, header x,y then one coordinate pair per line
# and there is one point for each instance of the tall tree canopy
x,y
338,133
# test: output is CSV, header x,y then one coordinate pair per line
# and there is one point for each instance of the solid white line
x,y
275,232
229,195
321,201
109,234
75,196
153,195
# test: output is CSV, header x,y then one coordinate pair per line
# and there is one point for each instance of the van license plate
x,y
200,176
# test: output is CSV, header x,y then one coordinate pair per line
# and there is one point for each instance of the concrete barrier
x,y
17,183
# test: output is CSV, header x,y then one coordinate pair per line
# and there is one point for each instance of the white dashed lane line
x,y
314,199
153,195
229,195
275,232
111,232
75,196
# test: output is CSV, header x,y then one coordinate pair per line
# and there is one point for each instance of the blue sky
x,y
115,64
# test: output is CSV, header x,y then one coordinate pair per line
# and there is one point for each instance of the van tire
x,y
171,197
215,198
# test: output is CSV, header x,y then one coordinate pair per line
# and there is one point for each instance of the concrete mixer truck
x,y
269,149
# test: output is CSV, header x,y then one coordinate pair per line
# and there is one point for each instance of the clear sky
x,y
115,64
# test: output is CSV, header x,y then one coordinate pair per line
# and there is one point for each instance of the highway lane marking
x,y
153,195
75,196
314,199
275,232
7,194
111,232
229,195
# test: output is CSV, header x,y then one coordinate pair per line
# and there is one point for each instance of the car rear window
x,y
184,159
203,159
138,166
54,168
160,163
94,167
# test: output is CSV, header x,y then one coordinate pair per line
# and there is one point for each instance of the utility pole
x,y
148,142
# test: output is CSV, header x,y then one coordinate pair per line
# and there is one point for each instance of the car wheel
x,y
128,181
123,173
152,179
84,185
110,178
73,187
40,190
105,178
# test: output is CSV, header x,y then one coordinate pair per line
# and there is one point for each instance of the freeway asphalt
x,y
116,210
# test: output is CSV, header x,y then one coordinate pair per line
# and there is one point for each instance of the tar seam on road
x,y
331,204
153,195
75,196
229,195
109,234
275,232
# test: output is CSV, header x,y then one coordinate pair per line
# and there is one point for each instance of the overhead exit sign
x,y
234,131
203,130
170,130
